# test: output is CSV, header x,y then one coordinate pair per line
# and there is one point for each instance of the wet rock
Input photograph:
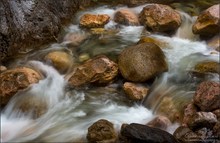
x,y
141,2
160,18
134,91
207,67
101,31
99,70
75,39
2,68
216,130
217,113
214,43
207,23
184,134
61,60
101,131
26,25
207,96
137,133
189,111
94,21
160,122
142,62
13,80
159,43
202,119
126,17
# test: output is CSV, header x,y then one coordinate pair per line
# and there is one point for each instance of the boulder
x,y
202,119
160,18
99,70
61,60
207,96
189,111
142,62
134,91
184,135
160,122
208,22
126,17
207,67
94,21
13,80
26,25
137,133
101,131
75,39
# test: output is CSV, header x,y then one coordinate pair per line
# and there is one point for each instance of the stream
x,y
72,111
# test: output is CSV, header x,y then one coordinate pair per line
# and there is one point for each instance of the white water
x,y
71,112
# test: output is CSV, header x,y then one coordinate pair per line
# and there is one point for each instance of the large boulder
x,y
126,17
142,62
137,133
94,21
207,96
13,80
100,70
30,24
101,131
160,18
61,60
208,22
134,91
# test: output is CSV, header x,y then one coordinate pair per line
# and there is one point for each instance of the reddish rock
x,y
100,70
160,122
13,80
126,17
184,134
101,131
202,119
216,130
207,96
208,22
189,111
134,91
142,62
94,21
160,18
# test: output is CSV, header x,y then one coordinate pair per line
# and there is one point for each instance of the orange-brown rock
x,y
13,80
208,22
61,60
126,17
161,44
134,91
160,18
142,62
2,68
100,70
207,96
94,21
207,67
101,131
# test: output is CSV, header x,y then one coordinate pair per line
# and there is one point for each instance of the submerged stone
x,y
126,17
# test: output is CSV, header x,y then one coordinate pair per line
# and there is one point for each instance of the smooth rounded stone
x,y
217,113
126,17
202,119
142,62
101,131
13,80
94,21
207,67
159,43
214,42
61,60
160,122
189,111
2,68
184,134
84,57
137,133
75,39
207,23
99,70
207,96
160,18
135,91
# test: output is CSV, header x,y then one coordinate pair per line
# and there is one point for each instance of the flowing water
x,y
70,111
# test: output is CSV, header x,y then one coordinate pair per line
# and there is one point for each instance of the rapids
x,y
71,112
